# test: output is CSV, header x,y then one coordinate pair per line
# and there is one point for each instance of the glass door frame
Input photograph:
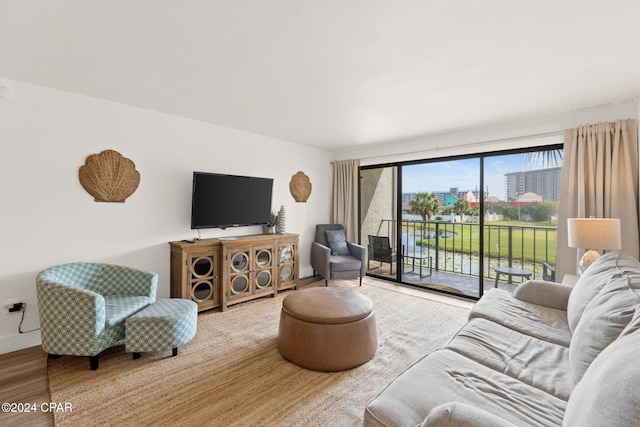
x,y
398,244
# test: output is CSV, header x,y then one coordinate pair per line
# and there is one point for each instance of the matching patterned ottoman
x,y
166,324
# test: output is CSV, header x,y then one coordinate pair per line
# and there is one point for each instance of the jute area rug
x,y
231,373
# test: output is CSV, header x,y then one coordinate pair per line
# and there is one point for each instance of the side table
x,y
511,272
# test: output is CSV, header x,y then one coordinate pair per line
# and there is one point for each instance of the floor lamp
x,y
590,233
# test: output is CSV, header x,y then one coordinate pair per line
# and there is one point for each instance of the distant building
x,y
543,182
445,199
529,197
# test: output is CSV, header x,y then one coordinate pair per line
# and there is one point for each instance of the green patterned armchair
x,y
83,306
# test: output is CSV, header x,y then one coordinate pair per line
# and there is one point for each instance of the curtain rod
x,y
470,144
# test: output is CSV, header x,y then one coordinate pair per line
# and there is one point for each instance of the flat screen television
x,y
221,201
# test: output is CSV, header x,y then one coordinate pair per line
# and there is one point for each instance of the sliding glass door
x,y
378,225
465,224
440,225
520,222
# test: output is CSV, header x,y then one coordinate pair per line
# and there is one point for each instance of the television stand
x,y
223,271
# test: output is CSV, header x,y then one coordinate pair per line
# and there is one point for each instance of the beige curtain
x,y
599,179
345,197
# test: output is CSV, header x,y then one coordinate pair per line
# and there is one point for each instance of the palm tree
x,y
544,159
424,204
460,206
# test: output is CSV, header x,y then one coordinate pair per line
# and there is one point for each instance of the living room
x,y
70,89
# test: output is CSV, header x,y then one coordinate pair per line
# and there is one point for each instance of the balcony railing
x,y
456,247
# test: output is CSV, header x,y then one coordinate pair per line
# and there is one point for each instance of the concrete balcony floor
x,y
452,283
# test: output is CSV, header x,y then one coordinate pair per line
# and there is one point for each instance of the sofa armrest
x,y
540,292
454,414
359,252
320,259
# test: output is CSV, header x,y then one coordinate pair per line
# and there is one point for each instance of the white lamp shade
x,y
594,233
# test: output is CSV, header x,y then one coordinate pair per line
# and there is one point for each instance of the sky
x,y
464,174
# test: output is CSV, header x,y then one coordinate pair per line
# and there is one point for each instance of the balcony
x,y
447,256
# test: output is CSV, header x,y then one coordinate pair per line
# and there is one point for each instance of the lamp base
x,y
587,259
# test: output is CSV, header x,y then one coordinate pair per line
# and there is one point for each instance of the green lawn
x,y
529,241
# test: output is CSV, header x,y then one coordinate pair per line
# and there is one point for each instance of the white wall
x,y
546,129
47,218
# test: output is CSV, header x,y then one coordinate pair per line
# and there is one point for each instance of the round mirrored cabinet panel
x,y
263,258
202,291
202,266
263,279
286,273
239,285
239,261
286,254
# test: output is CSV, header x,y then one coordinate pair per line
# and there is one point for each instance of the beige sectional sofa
x,y
546,355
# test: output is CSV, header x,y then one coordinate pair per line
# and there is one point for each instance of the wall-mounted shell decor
x,y
109,177
300,187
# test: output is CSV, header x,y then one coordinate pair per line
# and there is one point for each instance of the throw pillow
x,y
337,242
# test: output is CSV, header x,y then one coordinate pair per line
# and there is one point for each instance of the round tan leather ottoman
x,y
327,329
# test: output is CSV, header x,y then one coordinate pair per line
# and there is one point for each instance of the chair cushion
x,y
337,242
119,307
344,263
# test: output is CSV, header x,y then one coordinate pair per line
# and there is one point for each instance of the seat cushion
x,y
344,263
119,307
327,305
446,376
520,356
548,324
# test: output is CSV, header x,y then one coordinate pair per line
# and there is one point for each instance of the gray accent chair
x,y
329,265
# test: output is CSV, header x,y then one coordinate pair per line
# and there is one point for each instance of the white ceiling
x,y
331,73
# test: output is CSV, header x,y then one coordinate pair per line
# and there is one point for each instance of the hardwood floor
x,y
23,379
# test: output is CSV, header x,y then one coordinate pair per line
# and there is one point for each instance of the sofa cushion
x,y
446,376
608,393
118,308
545,323
603,319
594,278
535,362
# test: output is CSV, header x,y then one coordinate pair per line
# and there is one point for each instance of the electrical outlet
x,y
12,306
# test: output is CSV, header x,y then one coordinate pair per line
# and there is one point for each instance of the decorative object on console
x,y
590,233
109,176
270,228
281,221
300,187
